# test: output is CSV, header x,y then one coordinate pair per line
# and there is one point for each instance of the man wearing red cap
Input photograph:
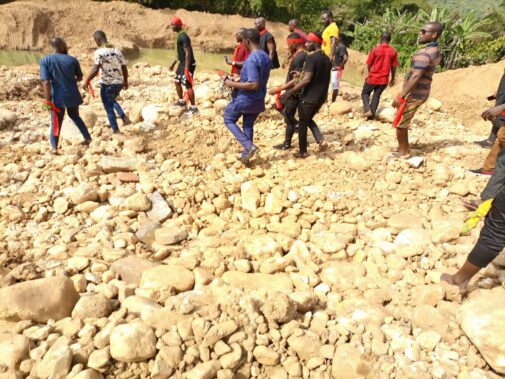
x,y
314,87
186,67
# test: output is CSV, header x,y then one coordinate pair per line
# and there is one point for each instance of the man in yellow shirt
x,y
330,34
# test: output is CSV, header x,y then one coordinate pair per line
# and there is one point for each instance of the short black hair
x,y
294,36
100,35
386,37
319,35
437,27
57,42
252,35
295,21
328,13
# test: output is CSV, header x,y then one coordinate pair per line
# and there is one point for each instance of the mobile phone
x,y
492,97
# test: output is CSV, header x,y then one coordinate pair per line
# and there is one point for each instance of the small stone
x,y
83,193
92,306
134,342
60,205
279,308
130,269
339,108
99,358
250,195
266,356
111,165
428,339
166,278
219,331
128,177
160,211
170,235
56,362
206,370
7,118
138,202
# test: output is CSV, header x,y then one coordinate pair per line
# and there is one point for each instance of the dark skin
x,y
307,76
96,69
260,24
294,48
60,48
328,20
239,36
293,24
246,86
346,58
392,82
402,135
187,53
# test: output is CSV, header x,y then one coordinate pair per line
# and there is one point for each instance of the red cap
x,y
176,21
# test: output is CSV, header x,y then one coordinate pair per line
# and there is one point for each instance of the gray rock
x,y
92,306
160,210
131,268
146,232
132,342
7,118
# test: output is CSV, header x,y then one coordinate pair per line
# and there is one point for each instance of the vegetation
x,y
474,31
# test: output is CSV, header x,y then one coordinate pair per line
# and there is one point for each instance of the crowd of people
x,y
314,60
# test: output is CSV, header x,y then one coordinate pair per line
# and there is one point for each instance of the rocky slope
x,y
156,254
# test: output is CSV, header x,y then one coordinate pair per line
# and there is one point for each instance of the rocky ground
x,y
156,254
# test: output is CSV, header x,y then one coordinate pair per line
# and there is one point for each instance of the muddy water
x,y
162,57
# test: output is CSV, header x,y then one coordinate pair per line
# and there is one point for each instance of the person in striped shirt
x,y
417,86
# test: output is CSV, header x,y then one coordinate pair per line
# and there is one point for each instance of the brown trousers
x,y
490,162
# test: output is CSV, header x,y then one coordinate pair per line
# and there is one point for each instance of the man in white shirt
x,y
111,64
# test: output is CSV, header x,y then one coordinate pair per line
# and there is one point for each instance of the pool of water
x,y
162,57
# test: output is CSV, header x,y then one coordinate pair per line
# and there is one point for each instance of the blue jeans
x,y
244,136
73,113
108,93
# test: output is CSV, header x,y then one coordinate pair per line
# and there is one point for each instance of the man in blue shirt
x,y
250,98
59,73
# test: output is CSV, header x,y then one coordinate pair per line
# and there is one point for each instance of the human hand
x,y
392,82
491,113
125,84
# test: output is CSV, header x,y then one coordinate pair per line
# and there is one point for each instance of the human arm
x,y
344,61
286,85
45,80
370,60
124,68
172,65
271,48
493,112
307,78
246,86
415,76
188,57
94,72
393,77
333,42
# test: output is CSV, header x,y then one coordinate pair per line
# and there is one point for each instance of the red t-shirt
x,y
380,60
240,55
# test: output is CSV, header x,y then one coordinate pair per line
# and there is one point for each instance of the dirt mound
x,y
29,25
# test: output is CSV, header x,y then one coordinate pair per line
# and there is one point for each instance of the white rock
x,y
134,342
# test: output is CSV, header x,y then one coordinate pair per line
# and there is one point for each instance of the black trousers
x,y
500,99
492,236
377,90
290,108
497,182
306,113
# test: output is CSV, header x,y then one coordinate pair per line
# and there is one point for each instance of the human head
x,y
99,37
327,17
59,45
239,34
293,24
430,32
176,23
251,38
385,37
314,41
295,41
260,23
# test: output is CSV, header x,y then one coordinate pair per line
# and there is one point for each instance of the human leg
x,y
491,242
377,92
231,116
289,116
402,132
108,95
365,96
54,139
73,113
305,112
490,161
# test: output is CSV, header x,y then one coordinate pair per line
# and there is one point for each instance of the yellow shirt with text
x,y
330,31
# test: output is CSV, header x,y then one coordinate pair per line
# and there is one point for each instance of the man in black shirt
x,y
288,106
314,84
267,41
186,67
339,60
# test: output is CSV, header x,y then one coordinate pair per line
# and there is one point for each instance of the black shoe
x,y
247,157
283,146
192,111
482,172
115,131
301,155
86,142
486,144
180,103
126,120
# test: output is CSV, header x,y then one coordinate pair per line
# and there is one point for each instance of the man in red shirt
x,y
382,60
240,55
294,27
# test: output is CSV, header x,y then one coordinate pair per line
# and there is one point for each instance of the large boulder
x,y
13,349
482,319
39,300
132,342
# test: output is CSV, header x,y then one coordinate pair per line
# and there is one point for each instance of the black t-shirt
x,y
316,92
296,64
183,41
267,37
340,53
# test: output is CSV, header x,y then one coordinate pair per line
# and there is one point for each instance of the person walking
x,y
186,67
417,87
59,73
289,106
382,61
251,90
339,60
267,41
111,65
330,34
239,55
314,87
